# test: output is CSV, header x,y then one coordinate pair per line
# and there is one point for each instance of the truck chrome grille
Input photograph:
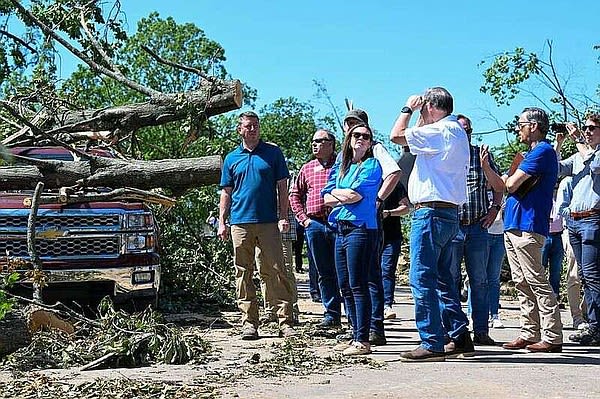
x,y
62,222
64,247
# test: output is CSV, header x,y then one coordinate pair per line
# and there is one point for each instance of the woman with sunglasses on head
x,y
352,192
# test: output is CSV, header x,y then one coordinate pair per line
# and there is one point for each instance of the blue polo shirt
x,y
253,177
531,212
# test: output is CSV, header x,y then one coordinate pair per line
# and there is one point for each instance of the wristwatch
x,y
496,206
406,110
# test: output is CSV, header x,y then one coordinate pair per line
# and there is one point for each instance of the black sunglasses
x,y
590,128
319,141
364,136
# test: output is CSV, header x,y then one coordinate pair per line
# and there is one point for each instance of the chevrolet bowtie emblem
x,y
50,234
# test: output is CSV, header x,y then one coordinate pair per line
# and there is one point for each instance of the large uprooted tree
x,y
40,112
147,96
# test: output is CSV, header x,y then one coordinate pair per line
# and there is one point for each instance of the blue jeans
x,y
313,275
354,248
584,236
376,286
494,269
431,283
552,257
389,264
321,246
471,242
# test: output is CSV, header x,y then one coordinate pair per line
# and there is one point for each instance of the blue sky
x,y
377,53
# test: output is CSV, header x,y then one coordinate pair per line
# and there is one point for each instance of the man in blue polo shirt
x,y
253,174
526,215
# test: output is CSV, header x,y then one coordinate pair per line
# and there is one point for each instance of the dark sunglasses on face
x,y
591,128
364,136
319,141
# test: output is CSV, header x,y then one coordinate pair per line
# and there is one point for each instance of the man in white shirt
x,y
437,186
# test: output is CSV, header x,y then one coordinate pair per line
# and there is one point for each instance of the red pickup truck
x,y
88,250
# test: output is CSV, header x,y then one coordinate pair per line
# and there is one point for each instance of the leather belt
x,y
585,214
435,204
322,219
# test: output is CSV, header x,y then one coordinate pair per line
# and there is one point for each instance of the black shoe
x,y
316,299
329,322
461,347
585,337
483,339
345,337
377,339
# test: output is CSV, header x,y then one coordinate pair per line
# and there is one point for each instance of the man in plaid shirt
x,y
471,242
307,204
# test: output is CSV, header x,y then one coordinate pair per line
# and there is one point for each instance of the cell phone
x,y
558,127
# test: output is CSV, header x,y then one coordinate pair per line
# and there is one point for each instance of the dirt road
x,y
272,368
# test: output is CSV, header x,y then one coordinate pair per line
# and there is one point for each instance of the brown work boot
x,y
421,354
249,332
287,332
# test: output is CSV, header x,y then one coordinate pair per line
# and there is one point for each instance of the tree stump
x,y
14,332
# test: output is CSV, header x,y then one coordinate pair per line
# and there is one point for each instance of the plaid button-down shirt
x,y
477,204
305,197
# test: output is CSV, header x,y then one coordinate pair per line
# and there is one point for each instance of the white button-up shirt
x,y
442,162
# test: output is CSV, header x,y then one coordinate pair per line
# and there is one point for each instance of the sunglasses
x,y
591,128
521,124
364,136
320,141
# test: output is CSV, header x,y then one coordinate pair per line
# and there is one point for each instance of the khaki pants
x,y
289,274
266,236
536,298
576,301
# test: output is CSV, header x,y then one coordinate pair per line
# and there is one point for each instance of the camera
x,y
558,127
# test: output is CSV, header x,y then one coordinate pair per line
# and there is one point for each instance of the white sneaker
x,y
357,348
497,323
342,346
388,313
582,326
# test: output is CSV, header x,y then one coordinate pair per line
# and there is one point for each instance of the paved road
x,y
492,373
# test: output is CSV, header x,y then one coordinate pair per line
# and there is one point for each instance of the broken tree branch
x,y
35,259
81,55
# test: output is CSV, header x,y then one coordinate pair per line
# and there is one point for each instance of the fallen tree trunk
x,y
175,174
212,98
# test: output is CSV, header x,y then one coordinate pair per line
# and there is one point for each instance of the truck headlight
x,y
139,221
142,277
139,242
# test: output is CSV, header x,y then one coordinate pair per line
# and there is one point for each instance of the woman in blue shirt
x,y
352,192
